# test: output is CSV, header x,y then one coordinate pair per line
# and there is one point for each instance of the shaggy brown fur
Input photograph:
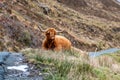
x,y
55,42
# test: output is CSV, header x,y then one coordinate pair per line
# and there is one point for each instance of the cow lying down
x,y
53,41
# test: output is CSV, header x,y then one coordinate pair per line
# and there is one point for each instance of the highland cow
x,y
53,41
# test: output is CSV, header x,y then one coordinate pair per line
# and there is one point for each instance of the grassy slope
x,y
70,65
108,9
86,32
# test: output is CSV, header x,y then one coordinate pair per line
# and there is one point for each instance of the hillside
x,y
88,24
106,9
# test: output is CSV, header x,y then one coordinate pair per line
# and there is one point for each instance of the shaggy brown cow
x,y
53,41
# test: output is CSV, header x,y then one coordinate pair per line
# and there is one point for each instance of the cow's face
x,y
50,33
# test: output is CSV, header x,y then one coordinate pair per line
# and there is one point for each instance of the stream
x,y
107,51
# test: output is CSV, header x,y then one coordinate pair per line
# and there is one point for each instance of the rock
x,y
46,9
59,0
2,72
14,67
3,56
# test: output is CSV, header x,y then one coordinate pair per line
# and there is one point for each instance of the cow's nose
x,y
52,37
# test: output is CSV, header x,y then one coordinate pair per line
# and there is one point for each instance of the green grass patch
x,y
99,74
116,56
62,68
66,65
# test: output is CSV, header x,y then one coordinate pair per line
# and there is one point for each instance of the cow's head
x,y
50,33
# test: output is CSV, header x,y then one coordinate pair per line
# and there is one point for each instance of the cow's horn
x,y
41,29
59,31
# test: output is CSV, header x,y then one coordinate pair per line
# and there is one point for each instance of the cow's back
x,y
63,42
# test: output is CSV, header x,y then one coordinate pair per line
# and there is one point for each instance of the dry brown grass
x,y
74,66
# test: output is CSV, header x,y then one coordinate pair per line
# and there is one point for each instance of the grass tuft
x,y
66,65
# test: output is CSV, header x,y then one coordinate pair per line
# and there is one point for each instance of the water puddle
x,y
23,68
111,50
